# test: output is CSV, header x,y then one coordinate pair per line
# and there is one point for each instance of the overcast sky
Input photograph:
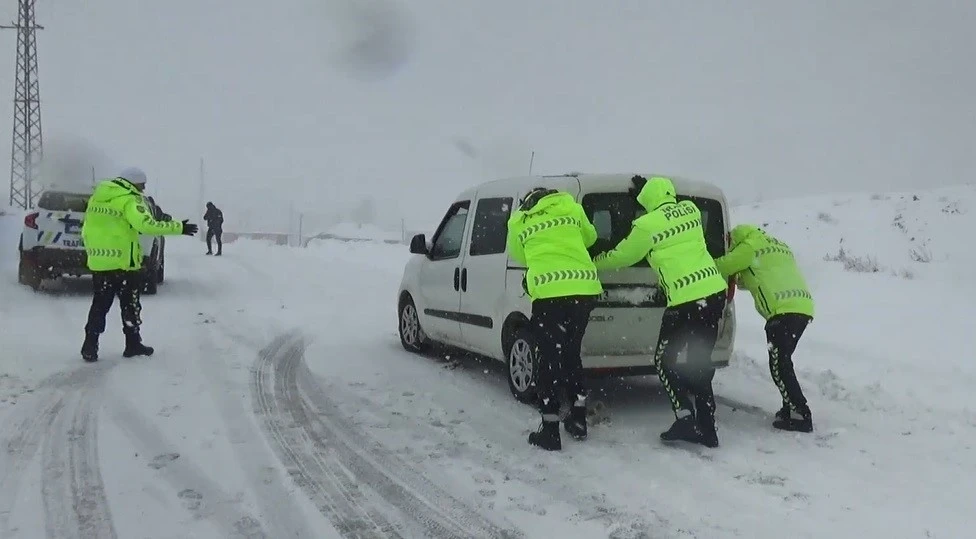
x,y
311,104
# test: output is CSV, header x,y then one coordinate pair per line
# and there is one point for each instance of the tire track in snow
x,y
19,450
206,498
61,419
353,481
502,431
280,512
74,498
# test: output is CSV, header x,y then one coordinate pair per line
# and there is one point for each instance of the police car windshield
x,y
61,201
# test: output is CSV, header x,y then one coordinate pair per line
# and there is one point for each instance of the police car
x,y
51,246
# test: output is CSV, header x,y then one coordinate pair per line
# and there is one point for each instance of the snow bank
x,y
364,232
890,274
902,234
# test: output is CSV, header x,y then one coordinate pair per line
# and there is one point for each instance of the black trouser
x,y
693,325
214,232
559,325
107,285
783,332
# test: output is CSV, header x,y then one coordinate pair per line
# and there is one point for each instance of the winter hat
x,y
135,175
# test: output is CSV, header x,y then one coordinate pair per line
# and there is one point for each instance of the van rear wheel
x,y
523,354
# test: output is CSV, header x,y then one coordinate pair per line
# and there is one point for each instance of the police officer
x,y
215,227
117,213
671,236
550,234
765,266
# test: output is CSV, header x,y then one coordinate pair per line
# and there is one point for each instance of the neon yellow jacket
x,y
765,267
671,236
115,217
551,239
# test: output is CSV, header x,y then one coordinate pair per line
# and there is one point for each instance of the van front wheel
x,y
412,336
523,354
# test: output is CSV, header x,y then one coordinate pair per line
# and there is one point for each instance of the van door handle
x,y
464,279
457,278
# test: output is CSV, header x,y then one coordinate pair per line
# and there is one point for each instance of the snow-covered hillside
x,y
280,404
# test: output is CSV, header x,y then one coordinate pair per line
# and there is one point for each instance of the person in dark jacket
x,y
215,224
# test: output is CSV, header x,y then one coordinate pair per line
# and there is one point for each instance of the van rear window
x,y
57,201
613,214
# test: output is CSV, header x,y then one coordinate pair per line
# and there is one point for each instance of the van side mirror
x,y
418,245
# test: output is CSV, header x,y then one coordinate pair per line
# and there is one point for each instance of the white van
x,y
461,289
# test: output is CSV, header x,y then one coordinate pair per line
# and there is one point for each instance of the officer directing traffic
x,y
116,214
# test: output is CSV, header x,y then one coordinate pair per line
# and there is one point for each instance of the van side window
x,y
450,234
490,226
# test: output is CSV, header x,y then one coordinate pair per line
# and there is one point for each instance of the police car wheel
x,y
27,273
412,336
522,357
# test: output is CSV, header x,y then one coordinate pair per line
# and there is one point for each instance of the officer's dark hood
x,y
655,192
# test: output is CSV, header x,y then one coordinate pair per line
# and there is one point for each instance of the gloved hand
x,y
189,229
639,182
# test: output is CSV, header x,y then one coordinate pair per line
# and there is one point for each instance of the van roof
x,y
683,185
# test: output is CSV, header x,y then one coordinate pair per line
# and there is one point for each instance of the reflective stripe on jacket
x,y
766,267
115,216
551,238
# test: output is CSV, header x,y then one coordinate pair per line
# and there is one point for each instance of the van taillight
x,y
730,292
30,221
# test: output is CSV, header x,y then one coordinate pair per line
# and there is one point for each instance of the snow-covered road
x,y
280,404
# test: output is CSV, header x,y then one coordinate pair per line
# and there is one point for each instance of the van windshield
x,y
613,214
59,201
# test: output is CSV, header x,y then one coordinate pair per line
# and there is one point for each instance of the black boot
x,y
705,415
789,420
89,349
575,422
547,437
134,346
685,429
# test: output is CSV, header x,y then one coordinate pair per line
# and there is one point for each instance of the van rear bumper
x,y
639,365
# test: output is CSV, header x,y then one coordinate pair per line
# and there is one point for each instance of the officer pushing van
x,y
550,234
765,266
671,236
